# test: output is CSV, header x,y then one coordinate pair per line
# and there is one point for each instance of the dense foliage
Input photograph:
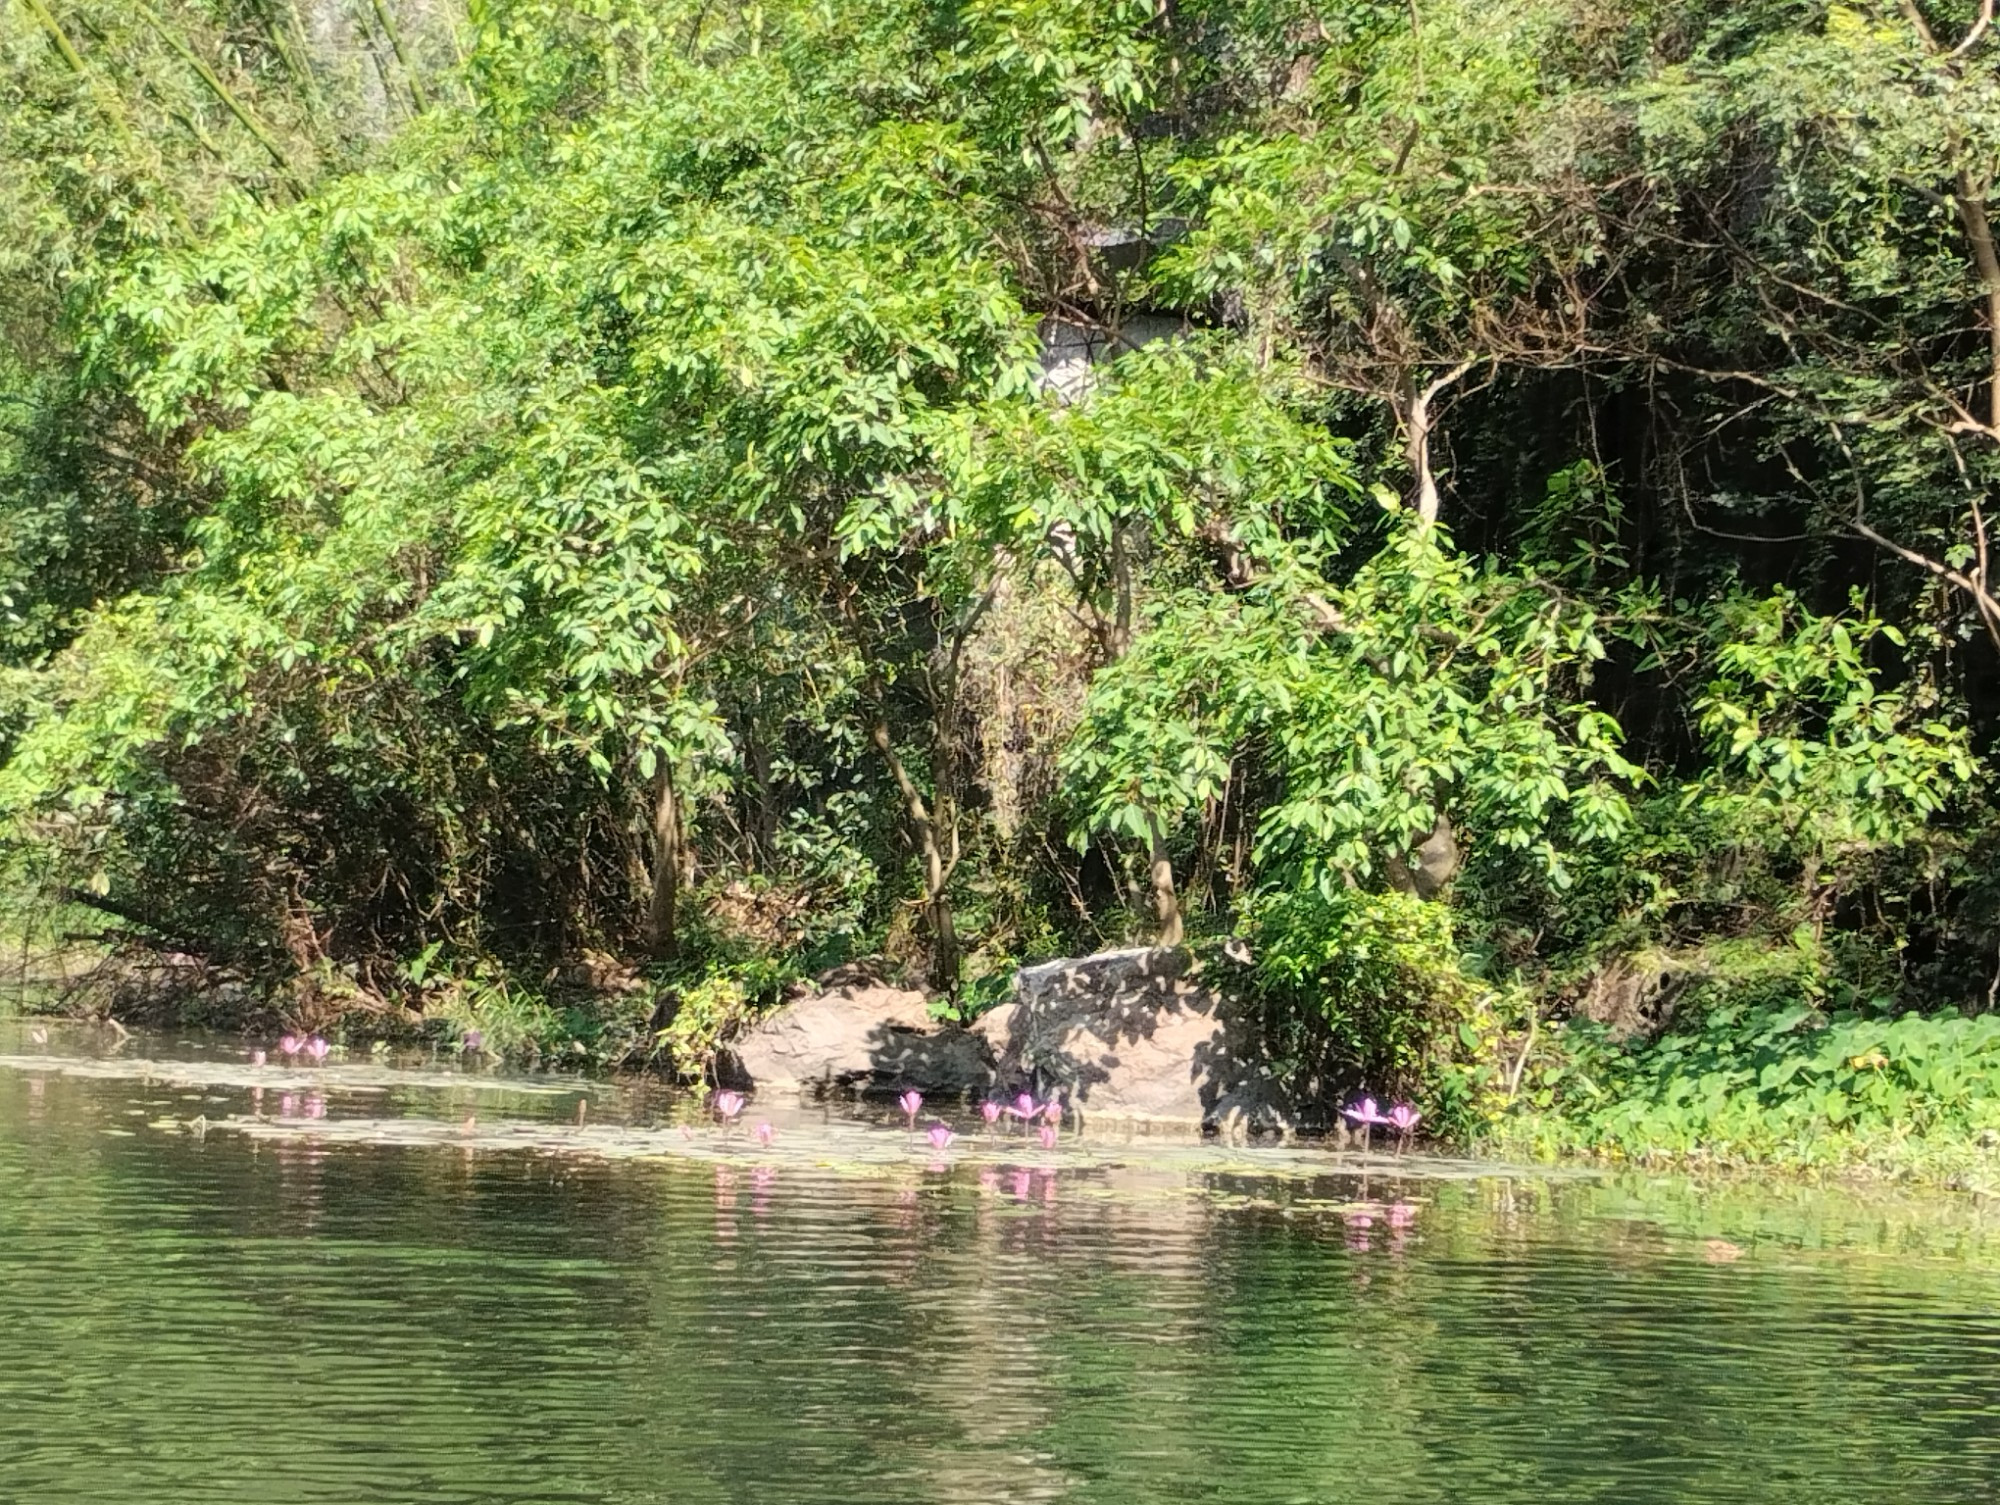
x,y
579,513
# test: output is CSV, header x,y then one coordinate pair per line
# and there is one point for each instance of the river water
x,y
375,1285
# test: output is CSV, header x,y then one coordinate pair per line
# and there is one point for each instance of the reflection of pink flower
x,y
1401,1214
1048,1136
729,1104
941,1136
764,1133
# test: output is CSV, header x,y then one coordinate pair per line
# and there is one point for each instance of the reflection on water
x,y
195,1318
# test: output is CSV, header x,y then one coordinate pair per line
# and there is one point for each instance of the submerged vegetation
x,y
564,518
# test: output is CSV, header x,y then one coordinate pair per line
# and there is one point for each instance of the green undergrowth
x,y
1786,1085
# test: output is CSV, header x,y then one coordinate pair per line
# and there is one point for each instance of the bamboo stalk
x,y
418,101
57,38
225,96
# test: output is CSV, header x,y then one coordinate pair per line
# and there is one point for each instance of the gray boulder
x,y
860,1038
1133,1036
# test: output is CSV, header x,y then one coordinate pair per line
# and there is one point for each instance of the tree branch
x,y
1989,609
1979,29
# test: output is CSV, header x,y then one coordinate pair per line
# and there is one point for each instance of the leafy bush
x,y
1380,974
1756,1081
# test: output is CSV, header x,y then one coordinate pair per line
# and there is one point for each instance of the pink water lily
x,y
1404,1117
941,1136
257,1058
317,1049
289,1045
729,1104
990,1111
911,1102
1367,1115
1052,1112
473,1043
1023,1107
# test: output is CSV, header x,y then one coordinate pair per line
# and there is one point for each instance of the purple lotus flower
x,y
1365,1113
729,1104
1404,1117
1024,1106
290,1045
990,1111
910,1102
1048,1136
317,1049
941,1136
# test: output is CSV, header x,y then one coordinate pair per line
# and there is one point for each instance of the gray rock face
x,y
1122,1037
1634,997
1130,1036
859,1038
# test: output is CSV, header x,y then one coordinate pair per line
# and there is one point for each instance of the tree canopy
x,y
1456,494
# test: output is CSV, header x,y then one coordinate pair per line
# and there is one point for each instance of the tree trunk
x,y
1418,424
1979,236
937,869
1118,632
662,912
1166,903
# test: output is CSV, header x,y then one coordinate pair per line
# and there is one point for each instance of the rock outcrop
x,y
1128,1037
1132,1036
857,1038
1634,997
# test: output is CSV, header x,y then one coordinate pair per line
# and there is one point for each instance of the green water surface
x,y
253,1311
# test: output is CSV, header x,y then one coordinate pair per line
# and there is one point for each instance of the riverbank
x,y
1911,1097
1767,1085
